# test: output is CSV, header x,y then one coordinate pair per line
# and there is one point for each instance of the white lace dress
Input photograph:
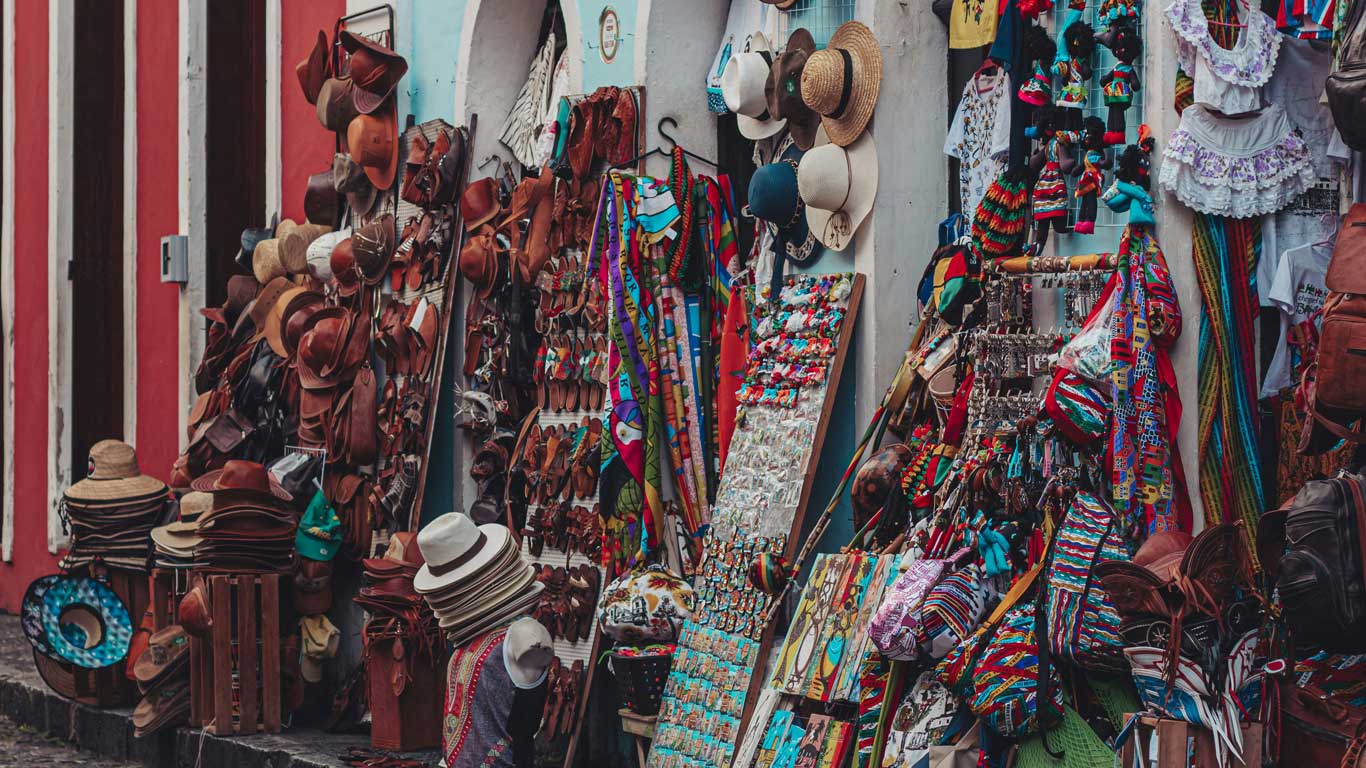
x,y
1235,167
1229,80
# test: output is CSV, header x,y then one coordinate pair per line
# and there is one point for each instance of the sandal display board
x,y
792,376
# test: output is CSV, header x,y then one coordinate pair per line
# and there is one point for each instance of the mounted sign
x,y
609,34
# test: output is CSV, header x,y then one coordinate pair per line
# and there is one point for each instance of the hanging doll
x,y
1093,166
1130,190
1072,64
1120,85
1038,47
1051,161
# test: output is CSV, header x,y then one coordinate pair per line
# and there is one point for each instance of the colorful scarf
x,y
1226,253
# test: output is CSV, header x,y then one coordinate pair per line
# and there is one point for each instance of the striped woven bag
x,y
1083,625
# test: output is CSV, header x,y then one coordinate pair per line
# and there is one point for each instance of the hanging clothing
x,y
521,131
980,136
1226,79
1235,167
1297,293
489,722
972,23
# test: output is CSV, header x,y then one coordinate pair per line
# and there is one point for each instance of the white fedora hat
x,y
455,549
320,253
743,86
838,185
527,651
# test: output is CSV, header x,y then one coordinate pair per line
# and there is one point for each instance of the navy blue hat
x,y
773,197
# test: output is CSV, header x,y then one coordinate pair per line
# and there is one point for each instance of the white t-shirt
x,y
1297,291
1297,85
980,136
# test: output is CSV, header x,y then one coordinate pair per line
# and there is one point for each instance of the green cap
x,y
320,535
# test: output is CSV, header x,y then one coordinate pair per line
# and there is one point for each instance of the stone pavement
x,y
21,745
105,736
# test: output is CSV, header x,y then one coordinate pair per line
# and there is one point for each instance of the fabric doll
x,y
1120,85
1038,47
1130,189
1079,42
1050,161
1093,166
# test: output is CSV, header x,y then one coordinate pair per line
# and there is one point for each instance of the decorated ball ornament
x,y
769,573
875,479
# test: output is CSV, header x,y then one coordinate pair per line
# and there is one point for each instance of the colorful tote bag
x,y
646,605
895,628
952,610
997,674
1083,625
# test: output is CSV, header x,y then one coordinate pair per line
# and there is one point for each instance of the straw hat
x,y
841,82
838,186
265,261
112,474
194,504
456,549
743,85
294,241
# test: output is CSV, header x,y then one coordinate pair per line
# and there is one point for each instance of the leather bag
x,y
1317,729
1346,87
363,445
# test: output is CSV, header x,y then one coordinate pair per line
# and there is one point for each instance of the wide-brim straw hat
x,y
838,185
113,475
841,82
266,263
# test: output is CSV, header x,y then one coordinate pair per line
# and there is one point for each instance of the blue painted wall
x,y
430,40
622,69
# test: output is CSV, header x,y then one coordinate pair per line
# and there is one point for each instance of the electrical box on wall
x,y
175,259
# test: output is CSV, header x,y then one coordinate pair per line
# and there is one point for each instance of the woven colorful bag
x,y
952,610
998,675
1083,626
895,628
1079,408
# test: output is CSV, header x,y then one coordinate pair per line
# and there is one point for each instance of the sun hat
x,y
743,84
479,263
294,241
342,264
112,474
58,675
783,92
527,651
838,185
455,548
841,81
161,707
294,318
374,69
79,620
319,254
240,475
265,261
349,179
320,531
373,247
336,107
320,640
372,141
165,648
194,504
773,197
321,199
460,634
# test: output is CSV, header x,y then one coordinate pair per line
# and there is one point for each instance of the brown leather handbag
x,y
1346,87
1317,729
1334,388
363,446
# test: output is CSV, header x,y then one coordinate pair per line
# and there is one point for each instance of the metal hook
x,y
665,134
484,163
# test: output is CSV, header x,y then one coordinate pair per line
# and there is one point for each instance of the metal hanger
x,y
664,151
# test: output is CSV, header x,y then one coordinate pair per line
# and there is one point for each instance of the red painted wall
x,y
31,558
157,206
305,146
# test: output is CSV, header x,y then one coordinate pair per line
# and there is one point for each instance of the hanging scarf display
x,y
1226,253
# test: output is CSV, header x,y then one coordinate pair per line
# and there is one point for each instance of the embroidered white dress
x,y
1229,80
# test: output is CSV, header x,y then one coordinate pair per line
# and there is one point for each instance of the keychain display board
x,y
770,471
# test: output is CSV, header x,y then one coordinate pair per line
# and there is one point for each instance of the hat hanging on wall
x,y
372,140
374,69
784,90
841,82
782,5
743,84
314,69
838,185
336,105
773,197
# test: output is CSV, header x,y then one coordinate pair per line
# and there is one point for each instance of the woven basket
x,y
641,679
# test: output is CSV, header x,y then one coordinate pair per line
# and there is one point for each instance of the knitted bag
x,y
1001,685
1079,408
1083,626
952,609
895,628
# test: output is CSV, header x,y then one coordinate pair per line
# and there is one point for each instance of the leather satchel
x,y
1317,729
363,441
1333,386
1346,87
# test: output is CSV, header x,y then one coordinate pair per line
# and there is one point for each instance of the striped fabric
x,y
1079,408
951,610
1083,626
873,678
1005,681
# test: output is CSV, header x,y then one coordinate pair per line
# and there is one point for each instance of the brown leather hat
x,y
784,90
335,106
350,179
320,199
314,69
479,262
372,141
194,612
343,264
312,587
319,347
240,475
1162,553
479,204
295,318
374,69
373,245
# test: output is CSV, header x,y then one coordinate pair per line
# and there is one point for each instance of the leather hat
x,y
275,321
294,318
319,347
784,90
373,245
372,141
479,262
320,199
1162,553
451,166
260,309
479,204
374,69
312,587
349,179
335,106
165,648
240,475
194,613
314,68
343,264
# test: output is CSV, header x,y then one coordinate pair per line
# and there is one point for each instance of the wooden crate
x,y
1182,745
111,686
241,656
410,720
166,587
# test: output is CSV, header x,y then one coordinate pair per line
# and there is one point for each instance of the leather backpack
x,y
1315,549
1346,87
1333,387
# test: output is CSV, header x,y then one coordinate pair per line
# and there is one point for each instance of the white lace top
x,y
1227,79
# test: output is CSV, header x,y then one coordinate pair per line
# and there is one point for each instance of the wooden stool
x,y
642,727
1178,740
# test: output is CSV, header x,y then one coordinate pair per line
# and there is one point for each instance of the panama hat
x,y
783,91
743,85
841,82
455,549
112,474
773,197
527,651
838,185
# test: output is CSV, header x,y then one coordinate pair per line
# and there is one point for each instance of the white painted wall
x,y
673,54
